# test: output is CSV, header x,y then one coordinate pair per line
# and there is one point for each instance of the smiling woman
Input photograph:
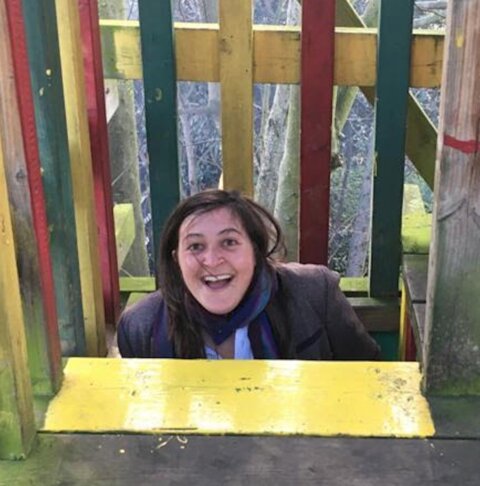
x,y
224,293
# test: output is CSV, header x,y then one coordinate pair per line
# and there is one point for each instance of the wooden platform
x,y
125,460
241,397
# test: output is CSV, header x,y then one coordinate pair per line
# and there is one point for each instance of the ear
x,y
174,256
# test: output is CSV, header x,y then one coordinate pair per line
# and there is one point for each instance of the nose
x,y
212,257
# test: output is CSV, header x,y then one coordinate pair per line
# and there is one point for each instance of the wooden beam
x,y
159,82
22,169
97,123
318,24
17,424
236,84
47,92
276,54
452,334
81,163
124,230
395,27
235,397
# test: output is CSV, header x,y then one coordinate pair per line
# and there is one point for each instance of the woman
x,y
225,294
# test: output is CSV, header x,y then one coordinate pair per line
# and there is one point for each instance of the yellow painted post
x,y
236,80
17,424
81,162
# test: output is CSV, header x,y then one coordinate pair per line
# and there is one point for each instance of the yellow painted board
x,y
276,54
17,423
281,397
236,84
82,176
124,230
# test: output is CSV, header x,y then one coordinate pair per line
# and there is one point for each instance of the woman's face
x,y
216,258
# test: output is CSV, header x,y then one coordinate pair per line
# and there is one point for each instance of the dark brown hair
x,y
262,229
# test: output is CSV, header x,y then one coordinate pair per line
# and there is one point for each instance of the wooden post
x,y
17,424
160,83
68,22
97,122
236,85
47,90
452,331
22,170
393,75
318,34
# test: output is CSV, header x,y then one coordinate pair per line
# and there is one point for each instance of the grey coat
x,y
309,308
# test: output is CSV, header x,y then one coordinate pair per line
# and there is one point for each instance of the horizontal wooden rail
x,y
276,54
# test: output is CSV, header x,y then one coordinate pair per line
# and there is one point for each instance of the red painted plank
x,y
97,122
318,29
39,214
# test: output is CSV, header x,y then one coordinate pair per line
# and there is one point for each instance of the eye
x,y
229,242
195,247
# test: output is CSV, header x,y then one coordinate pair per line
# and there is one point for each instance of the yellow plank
x,y
236,81
124,230
241,397
276,54
81,164
17,424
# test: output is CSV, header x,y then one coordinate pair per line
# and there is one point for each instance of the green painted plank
x,y
44,59
159,80
393,73
137,284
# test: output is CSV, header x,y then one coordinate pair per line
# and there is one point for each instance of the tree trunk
x,y
286,204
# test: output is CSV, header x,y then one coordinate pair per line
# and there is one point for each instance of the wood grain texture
x,y
236,84
123,460
83,185
97,124
17,424
159,81
318,24
47,92
452,333
395,27
41,333
276,53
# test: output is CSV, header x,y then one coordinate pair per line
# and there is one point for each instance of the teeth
x,y
216,278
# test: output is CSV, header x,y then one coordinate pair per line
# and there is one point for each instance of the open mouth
x,y
217,281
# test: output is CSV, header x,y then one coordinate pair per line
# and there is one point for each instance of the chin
x,y
215,309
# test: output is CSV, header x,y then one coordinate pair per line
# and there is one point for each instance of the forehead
x,y
210,222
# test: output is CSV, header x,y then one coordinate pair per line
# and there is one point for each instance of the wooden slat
x,y
159,82
236,397
377,315
17,427
395,26
47,91
276,53
81,163
124,230
236,81
318,23
97,123
40,319
452,332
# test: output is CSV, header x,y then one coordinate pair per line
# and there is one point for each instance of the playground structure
x,y
58,258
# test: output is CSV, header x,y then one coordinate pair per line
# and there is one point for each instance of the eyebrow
x,y
224,231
